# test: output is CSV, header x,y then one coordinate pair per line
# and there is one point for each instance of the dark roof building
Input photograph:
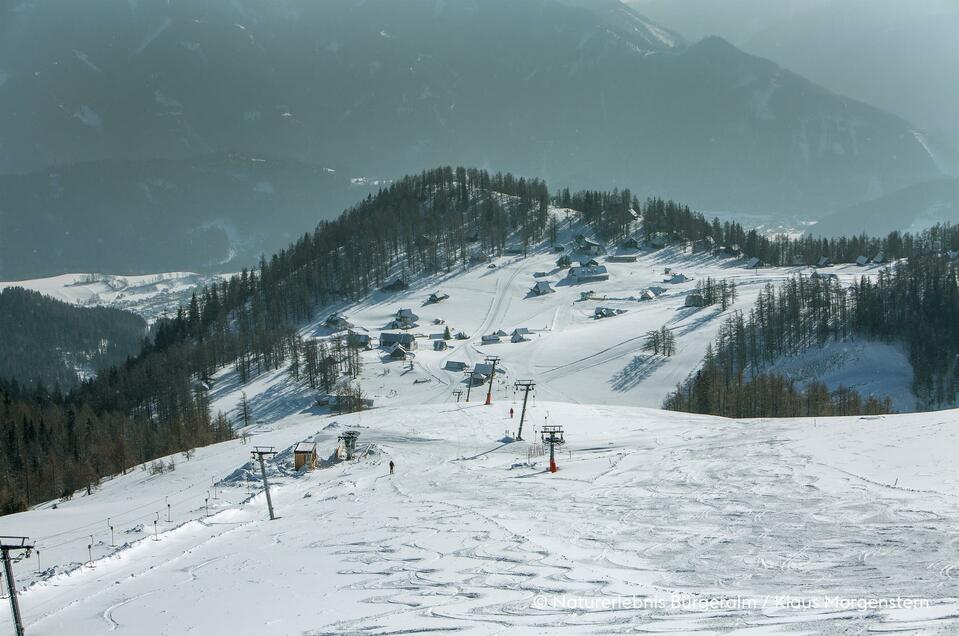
x,y
399,352
361,340
388,339
589,273
336,322
541,287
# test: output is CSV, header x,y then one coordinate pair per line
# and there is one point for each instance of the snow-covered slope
x,y
570,354
150,296
783,522
867,366
780,522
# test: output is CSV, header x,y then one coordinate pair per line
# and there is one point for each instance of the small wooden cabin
x,y
304,454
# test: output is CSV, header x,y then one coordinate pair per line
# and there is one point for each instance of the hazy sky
x,y
899,55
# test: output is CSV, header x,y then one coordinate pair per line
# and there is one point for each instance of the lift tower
x,y
526,386
492,360
259,452
7,545
553,435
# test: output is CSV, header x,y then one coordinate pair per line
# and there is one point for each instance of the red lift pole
x,y
552,434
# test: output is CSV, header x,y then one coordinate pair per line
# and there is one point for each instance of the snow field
x,y
571,355
468,536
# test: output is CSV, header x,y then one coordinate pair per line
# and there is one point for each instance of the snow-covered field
x,y
572,356
149,295
784,526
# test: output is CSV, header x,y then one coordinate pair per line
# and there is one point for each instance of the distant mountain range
x,y
898,55
580,93
914,209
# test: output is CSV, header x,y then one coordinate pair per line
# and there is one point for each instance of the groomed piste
x,y
659,513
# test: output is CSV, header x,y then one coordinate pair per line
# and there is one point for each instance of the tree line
x,y
713,292
52,445
157,402
916,303
611,215
50,342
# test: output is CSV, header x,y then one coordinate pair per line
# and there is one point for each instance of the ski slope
x,y
774,519
573,356
785,524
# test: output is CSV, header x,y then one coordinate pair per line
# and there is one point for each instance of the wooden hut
x,y
304,454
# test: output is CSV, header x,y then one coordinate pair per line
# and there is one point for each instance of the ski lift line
x,y
148,516
99,522
115,516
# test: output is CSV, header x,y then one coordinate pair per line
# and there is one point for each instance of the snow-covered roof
x,y
305,447
588,271
584,240
542,286
398,350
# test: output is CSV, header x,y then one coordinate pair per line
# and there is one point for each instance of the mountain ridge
x,y
581,96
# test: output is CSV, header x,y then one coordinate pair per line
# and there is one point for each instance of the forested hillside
x,y
915,303
158,403
677,222
53,343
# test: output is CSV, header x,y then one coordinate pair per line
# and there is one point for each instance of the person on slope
x,y
511,413
391,466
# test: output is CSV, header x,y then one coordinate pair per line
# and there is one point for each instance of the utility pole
x,y
526,386
489,392
259,452
6,545
469,383
553,435
458,395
